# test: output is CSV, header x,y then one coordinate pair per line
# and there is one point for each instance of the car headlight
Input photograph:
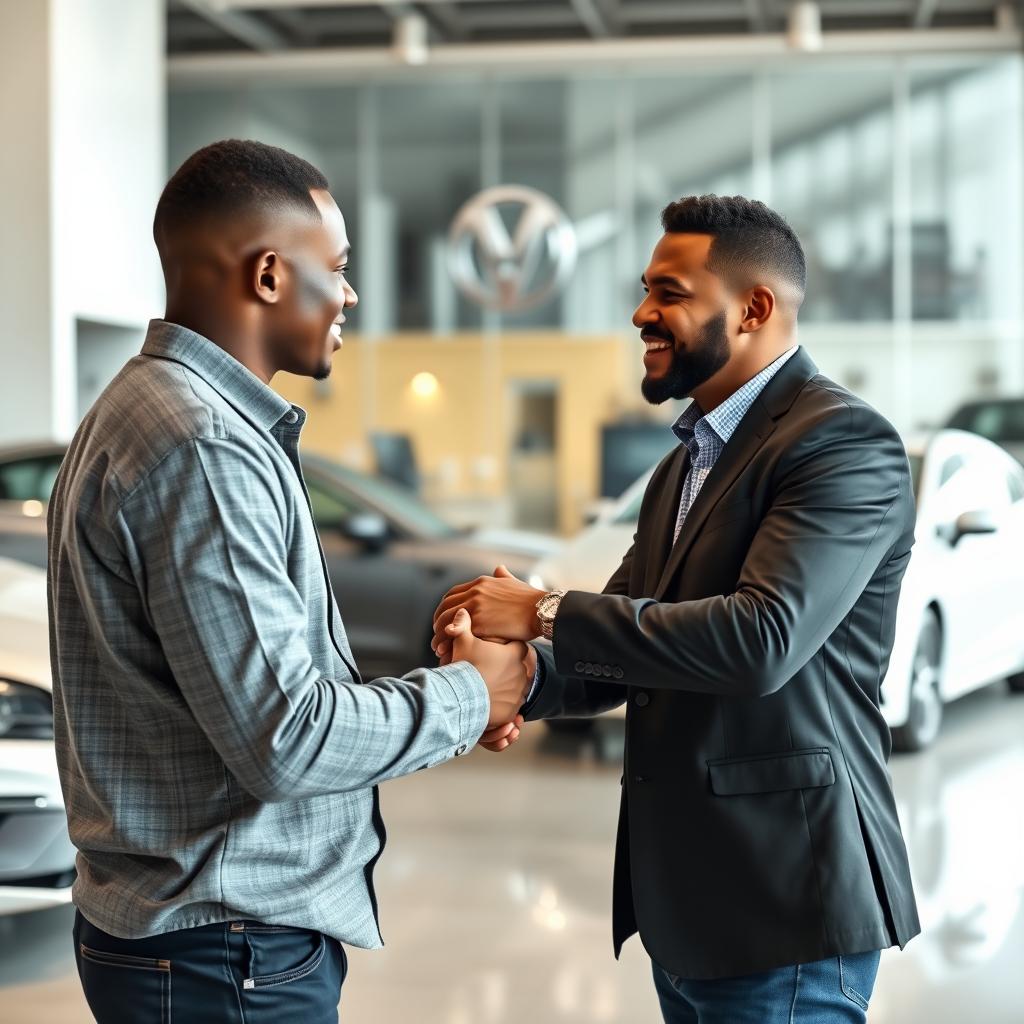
x,y
26,712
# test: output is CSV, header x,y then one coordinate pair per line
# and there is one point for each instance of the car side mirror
x,y
368,529
975,523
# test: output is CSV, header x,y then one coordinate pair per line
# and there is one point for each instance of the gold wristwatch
x,y
547,609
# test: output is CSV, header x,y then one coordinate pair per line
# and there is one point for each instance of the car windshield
x,y
998,421
385,497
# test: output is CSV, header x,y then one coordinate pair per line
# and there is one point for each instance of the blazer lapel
x,y
755,427
663,522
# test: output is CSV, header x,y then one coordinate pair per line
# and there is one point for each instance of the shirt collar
x,y
236,383
724,419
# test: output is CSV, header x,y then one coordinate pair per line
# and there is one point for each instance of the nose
x,y
644,313
351,299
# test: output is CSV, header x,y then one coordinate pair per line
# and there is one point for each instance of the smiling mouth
x,y
336,331
656,345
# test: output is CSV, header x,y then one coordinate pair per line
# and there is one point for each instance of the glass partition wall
x,y
902,176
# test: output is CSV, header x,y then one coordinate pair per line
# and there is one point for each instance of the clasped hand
x,y
501,611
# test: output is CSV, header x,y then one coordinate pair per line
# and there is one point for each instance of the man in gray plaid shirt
x,y
218,751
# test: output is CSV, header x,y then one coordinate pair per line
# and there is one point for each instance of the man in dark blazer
x,y
748,630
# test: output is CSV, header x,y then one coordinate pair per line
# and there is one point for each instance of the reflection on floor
x,y
496,887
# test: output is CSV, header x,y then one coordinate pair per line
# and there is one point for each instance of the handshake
x,y
487,623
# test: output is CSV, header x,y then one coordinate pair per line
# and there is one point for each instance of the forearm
x,y
748,643
564,696
344,736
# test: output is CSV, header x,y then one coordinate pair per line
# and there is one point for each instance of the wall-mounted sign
x,y
511,248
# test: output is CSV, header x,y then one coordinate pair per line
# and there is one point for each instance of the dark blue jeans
x,y
833,991
242,972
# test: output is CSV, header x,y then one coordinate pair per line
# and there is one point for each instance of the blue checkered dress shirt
x,y
705,437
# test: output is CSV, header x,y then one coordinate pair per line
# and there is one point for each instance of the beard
x,y
690,369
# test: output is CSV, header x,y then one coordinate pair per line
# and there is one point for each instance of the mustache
x,y
656,334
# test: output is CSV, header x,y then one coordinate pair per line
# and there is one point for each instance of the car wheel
x,y
925,716
1016,683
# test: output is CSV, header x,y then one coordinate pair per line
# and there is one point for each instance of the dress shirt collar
x,y
724,419
221,371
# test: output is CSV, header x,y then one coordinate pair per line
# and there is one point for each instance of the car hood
x,y
24,635
588,561
460,558
520,542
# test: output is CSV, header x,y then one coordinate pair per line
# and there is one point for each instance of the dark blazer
x,y
758,827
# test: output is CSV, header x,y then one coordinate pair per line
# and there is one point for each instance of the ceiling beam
x,y
445,18
592,17
295,22
924,12
241,26
756,15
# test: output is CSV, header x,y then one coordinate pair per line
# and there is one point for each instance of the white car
x,y
37,860
958,623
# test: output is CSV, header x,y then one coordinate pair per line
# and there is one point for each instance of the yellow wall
x,y
468,420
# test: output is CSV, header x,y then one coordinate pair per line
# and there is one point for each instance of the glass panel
x,y
966,171
428,166
693,135
832,180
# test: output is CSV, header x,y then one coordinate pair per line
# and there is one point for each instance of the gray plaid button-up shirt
x,y
218,751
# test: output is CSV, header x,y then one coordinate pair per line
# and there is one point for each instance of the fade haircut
x,y
235,177
751,241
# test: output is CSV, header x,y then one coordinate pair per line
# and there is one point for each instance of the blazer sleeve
x,y
841,503
560,695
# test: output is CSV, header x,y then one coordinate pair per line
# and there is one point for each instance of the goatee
x,y
692,368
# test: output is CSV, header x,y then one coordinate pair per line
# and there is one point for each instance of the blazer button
x,y
588,668
642,700
606,671
617,672
578,667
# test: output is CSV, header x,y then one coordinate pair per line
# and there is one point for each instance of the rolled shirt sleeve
x,y
207,535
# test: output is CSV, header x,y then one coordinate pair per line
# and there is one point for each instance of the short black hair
x,y
750,239
232,177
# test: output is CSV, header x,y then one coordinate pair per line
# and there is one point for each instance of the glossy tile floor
x,y
496,886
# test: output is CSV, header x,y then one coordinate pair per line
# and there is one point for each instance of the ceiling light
x,y
425,385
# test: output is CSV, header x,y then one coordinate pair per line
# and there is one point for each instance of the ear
x,y
760,304
267,276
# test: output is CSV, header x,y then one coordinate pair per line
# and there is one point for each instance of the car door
x,y
970,574
375,586
1008,611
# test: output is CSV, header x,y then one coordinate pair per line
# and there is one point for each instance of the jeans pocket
x,y
857,977
271,950
121,988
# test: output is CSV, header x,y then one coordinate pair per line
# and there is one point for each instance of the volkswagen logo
x,y
511,248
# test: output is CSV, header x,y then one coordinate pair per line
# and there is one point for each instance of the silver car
x,y
37,860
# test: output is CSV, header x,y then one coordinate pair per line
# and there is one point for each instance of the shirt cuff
x,y
533,685
474,702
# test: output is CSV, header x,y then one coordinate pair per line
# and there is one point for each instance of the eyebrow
x,y
665,281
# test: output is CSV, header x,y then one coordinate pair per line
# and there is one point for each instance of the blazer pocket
x,y
727,514
772,773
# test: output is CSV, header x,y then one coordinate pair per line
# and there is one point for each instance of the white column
x,y
82,123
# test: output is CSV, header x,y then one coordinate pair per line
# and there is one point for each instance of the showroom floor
x,y
495,894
